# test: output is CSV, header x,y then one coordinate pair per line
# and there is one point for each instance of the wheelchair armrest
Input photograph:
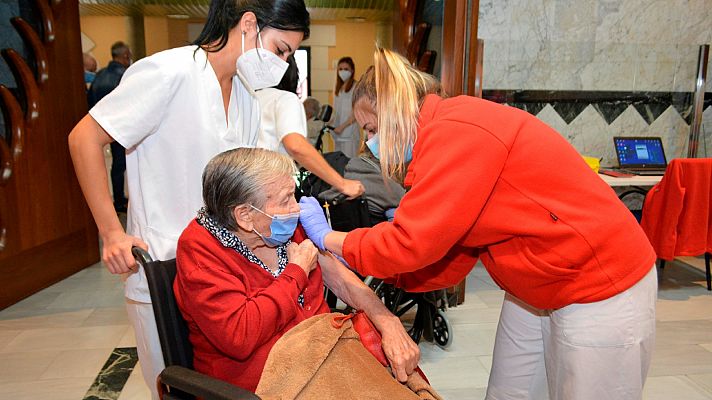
x,y
203,386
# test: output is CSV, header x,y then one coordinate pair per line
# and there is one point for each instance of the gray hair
x,y
239,176
311,106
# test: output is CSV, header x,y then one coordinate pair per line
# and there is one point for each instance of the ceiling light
x,y
177,16
356,19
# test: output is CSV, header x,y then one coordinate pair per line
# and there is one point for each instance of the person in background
x,y
90,67
495,183
383,195
105,81
283,128
174,111
347,136
311,108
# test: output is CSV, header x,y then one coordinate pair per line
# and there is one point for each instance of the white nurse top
x,y
168,113
342,112
282,113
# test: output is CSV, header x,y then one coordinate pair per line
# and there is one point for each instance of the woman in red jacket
x,y
246,275
492,182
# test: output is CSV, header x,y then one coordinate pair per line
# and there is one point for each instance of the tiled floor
x,y
53,344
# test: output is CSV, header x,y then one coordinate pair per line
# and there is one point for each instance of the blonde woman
x,y
492,182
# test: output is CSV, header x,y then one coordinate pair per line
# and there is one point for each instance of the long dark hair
x,y
290,80
224,15
339,82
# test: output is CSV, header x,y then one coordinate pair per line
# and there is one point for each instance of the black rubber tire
x,y
442,332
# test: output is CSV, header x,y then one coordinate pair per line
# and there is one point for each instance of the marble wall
x,y
594,69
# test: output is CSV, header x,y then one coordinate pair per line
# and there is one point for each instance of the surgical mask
x,y
373,145
89,76
344,74
261,69
282,228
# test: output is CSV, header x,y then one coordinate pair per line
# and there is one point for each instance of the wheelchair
x,y
179,381
430,322
324,116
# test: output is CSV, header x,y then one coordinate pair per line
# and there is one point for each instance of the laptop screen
x,y
640,152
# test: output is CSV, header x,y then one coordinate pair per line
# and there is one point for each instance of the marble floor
x,y
55,343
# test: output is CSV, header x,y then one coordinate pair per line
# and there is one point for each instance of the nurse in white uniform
x,y
284,129
173,112
347,136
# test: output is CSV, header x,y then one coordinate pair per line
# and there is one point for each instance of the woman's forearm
x,y
86,146
349,288
334,242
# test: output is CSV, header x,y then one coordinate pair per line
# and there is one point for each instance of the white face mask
x,y
344,74
261,69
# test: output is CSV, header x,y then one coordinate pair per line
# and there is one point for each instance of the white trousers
x,y
147,344
594,351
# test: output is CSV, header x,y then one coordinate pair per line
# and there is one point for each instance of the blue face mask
x,y
373,145
282,228
89,76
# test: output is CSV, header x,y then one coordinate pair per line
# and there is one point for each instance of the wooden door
x,y
46,230
459,46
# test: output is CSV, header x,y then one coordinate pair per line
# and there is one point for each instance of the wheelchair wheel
x,y
441,330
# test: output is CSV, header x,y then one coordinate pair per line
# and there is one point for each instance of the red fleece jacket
x,y
677,216
236,310
494,182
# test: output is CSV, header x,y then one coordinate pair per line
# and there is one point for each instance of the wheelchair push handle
x,y
325,113
142,257
340,198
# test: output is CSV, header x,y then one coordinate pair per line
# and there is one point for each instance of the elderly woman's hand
x,y
303,254
400,349
313,220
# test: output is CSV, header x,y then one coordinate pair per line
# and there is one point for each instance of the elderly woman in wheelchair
x,y
246,273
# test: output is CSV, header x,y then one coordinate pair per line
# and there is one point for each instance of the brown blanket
x,y
315,360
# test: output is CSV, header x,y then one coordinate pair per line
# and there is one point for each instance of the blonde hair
x,y
396,91
239,176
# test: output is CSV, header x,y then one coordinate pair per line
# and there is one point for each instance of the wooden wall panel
x,y
459,40
50,233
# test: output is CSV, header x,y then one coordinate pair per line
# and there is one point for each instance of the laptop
x,y
640,155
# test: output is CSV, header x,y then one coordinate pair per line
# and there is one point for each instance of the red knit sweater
x,y
236,310
494,182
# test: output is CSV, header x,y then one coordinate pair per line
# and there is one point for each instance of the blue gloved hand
x,y
390,214
313,220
